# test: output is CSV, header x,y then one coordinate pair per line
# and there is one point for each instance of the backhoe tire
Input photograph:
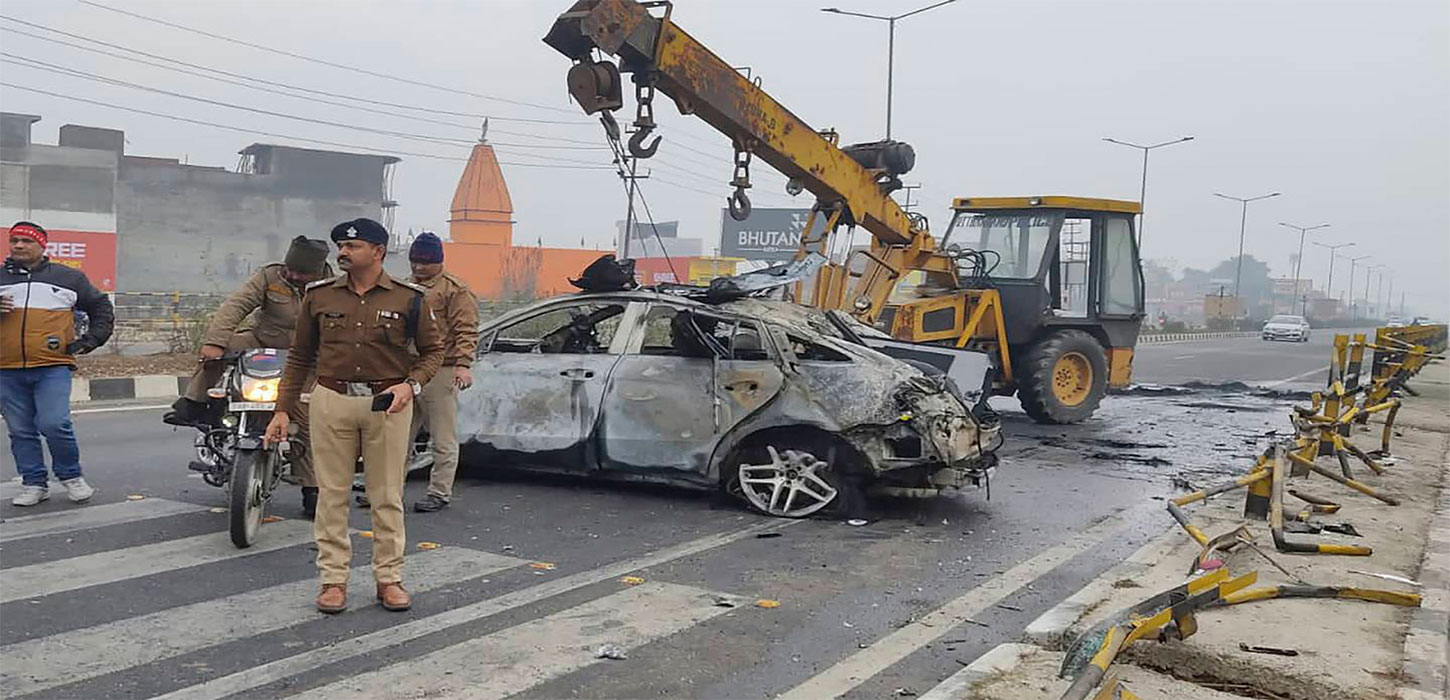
x,y
1062,377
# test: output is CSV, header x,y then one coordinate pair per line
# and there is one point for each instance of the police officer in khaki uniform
x,y
354,332
457,310
262,314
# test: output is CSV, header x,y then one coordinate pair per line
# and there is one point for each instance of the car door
x,y
666,406
539,385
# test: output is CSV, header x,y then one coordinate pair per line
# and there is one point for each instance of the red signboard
x,y
94,252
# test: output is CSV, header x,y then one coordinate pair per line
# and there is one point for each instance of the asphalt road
x,y
139,598
1275,365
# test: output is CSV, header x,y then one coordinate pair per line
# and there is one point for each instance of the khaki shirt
x,y
267,305
354,338
457,310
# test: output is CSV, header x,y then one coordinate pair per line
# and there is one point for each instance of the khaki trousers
x,y
209,373
438,409
345,428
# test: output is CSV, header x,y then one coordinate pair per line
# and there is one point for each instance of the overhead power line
x,y
319,61
62,70
240,76
258,132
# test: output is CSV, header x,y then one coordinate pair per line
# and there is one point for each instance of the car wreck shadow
x,y
954,506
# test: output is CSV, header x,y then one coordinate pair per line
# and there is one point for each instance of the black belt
x,y
364,388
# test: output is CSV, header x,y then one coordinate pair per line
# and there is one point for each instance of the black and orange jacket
x,y
40,330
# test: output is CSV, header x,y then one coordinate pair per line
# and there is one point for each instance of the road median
x,y
1338,644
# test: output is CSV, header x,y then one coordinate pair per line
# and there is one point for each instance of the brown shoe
x,y
333,598
393,597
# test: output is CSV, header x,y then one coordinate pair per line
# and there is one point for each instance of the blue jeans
x,y
36,402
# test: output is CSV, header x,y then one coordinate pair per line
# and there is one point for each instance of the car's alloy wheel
x,y
793,485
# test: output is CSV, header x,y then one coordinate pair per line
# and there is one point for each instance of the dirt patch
x,y
98,365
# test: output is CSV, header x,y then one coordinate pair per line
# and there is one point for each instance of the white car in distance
x,y
1286,327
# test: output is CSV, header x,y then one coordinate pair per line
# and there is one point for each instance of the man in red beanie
x,y
38,345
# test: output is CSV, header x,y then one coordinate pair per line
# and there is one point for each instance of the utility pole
x,y
631,187
1143,190
1354,308
890,44
1243,224
1299,264
1329,286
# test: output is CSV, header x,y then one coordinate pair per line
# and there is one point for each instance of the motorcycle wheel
x,y
245,496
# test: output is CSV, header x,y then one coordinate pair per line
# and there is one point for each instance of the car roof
x,y
654,296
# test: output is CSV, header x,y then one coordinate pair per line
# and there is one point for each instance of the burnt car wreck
x,y
779,404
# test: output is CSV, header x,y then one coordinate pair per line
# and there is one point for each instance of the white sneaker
x,y
79,490
31,495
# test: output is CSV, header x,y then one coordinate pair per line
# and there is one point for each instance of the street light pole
x,y
1243,224
890,21
1354,308
1143,190
1333,249
1299,261
1367,270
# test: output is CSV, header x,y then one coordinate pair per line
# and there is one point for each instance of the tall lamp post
x,y
1333,250
890,43
1354,308
1369,310
1243,223
1143,191
1299,261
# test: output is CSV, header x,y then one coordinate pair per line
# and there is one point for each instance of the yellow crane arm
x,y
663,56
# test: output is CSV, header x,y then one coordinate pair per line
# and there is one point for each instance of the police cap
x,y
360,230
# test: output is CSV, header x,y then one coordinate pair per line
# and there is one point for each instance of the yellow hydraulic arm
x,y
852,185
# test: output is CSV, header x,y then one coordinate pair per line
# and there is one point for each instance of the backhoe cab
x,y
1050,287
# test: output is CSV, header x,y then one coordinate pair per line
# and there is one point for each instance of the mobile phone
x,y
381,402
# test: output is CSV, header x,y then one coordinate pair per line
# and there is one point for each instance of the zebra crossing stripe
x,y
518,658
71,657
71,574
246,682
88,517
862,665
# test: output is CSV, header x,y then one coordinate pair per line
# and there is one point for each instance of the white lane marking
x,y
249,680
862,665
117,409
1295,378
69,657
64,575
1184,357
518,658
88,517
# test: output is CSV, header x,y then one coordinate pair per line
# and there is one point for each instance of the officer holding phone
x,y
355,331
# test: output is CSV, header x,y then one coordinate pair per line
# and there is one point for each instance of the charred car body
x,y
780,404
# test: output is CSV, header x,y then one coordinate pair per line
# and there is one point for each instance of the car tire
x,y
1062,378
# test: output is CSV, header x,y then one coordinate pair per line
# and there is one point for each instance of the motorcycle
x,y
230,451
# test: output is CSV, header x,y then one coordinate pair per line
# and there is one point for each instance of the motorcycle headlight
x,y
260,390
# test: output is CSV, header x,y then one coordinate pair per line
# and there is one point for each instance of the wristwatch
x,y
416,387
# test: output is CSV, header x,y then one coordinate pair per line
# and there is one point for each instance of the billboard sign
x,y
769,234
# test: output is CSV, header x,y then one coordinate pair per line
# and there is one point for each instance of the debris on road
x,y
611,651
1276,651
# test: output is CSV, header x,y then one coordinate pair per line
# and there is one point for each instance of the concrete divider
x,y
146,386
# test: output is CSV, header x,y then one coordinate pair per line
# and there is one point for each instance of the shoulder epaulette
x,y
322,282
413,286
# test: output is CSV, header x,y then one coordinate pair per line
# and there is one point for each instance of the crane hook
x,y
636,143
739,204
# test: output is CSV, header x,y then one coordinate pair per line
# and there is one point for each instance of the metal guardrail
x,y
1151,338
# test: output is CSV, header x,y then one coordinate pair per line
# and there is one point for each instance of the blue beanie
x,y
427,248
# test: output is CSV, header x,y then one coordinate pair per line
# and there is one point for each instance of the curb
x,y
1052,629
1002,657
1157,338
1427,646
145,386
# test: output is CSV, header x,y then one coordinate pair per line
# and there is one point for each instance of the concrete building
x,y
143,224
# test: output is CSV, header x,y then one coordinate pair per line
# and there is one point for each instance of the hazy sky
x,y
1342,106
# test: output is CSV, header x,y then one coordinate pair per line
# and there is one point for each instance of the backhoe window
x,y
1014,243
1120,293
